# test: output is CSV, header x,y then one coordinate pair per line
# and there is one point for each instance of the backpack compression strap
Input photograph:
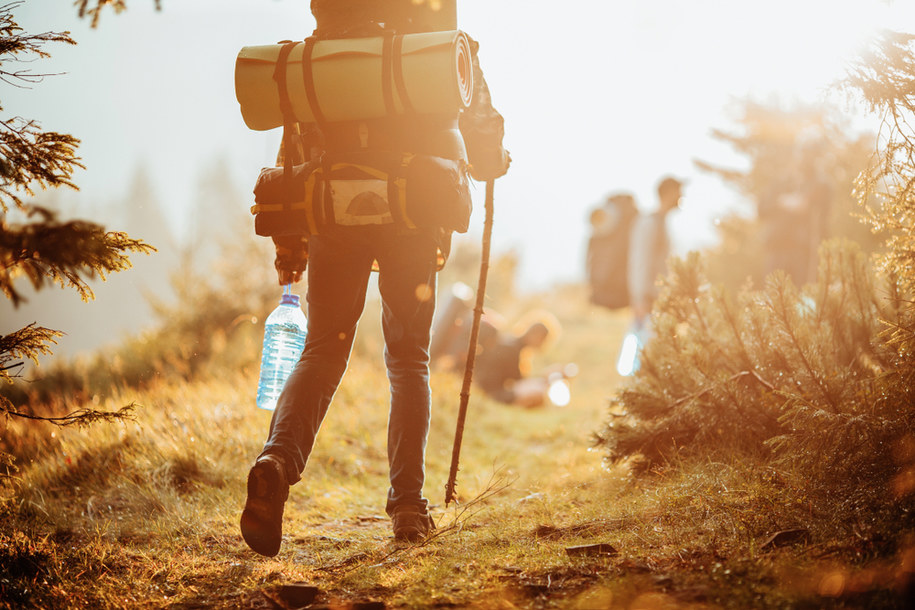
x,y
392,74
308,80
387,69
279,75
397,65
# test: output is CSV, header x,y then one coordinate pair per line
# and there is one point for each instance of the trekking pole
x,y
472,347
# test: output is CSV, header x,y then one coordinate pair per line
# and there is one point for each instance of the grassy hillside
x,y
144,514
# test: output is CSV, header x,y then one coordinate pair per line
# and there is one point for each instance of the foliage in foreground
x,y
212,328
43,249
887,190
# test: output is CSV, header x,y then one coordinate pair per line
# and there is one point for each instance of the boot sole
x,y
261,530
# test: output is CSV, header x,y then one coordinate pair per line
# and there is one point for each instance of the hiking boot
x,y
262,519
412,523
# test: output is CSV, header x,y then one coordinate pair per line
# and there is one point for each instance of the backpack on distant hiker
x,y
608,251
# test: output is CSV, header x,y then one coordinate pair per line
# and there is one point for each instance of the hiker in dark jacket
x,y
340,260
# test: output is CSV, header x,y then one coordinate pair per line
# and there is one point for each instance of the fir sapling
x,y
790,375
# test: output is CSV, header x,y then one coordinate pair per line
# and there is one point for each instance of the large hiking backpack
x,y
423,78
608,251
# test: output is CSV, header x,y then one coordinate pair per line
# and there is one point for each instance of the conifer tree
x,y
784,374
801,166
816,379
42,248
886,79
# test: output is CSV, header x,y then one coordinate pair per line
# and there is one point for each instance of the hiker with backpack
x,y
341,255
627,252
608,250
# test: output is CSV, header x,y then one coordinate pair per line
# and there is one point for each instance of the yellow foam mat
x,y
347,73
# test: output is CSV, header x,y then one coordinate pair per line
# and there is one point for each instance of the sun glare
x,y
560,393
816,40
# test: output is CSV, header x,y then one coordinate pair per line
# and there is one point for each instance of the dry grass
x,y
145,514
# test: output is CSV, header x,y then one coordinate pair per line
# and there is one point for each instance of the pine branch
x,y
61,252
781,307
884,75
30,157
14,44
707,389
29,342
93,8
724,306
80,418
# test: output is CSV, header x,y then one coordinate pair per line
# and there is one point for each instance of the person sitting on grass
x,y
503,361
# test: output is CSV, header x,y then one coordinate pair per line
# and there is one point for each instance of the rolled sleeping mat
x,y
358,78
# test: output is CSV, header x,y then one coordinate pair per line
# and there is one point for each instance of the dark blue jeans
x,y
339,266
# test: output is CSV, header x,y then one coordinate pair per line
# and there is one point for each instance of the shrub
x,y
803,378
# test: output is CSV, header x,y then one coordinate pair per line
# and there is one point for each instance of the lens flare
x,y
560,393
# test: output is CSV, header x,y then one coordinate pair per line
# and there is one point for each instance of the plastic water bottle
x,y
284,338
630,358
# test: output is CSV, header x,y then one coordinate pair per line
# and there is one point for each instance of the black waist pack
x,y
413,191
284,201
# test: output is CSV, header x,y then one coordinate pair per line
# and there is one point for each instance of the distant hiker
x,y
649,249
340,261
608,251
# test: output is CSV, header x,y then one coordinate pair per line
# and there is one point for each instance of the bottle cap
x,y
288,297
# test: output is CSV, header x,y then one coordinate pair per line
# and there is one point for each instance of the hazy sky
x,y
598,96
